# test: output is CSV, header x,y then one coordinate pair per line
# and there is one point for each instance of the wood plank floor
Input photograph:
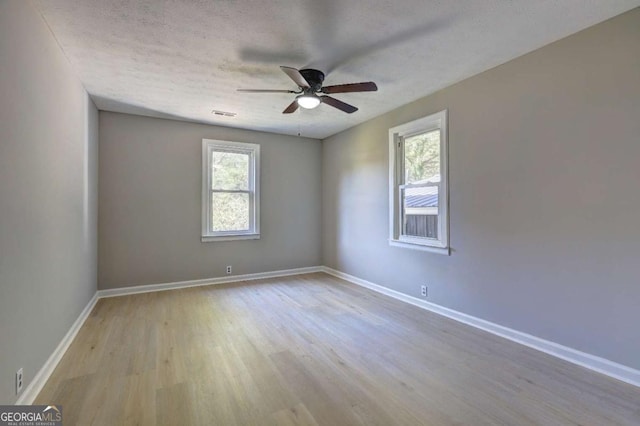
x,y
313,350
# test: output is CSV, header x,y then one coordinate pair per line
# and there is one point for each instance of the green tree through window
x,y
422,156
229,210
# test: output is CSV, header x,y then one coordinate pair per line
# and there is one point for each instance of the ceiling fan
x,y
309,83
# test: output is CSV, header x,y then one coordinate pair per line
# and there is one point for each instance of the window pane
x,y
229,170
420,211
229,211
422,157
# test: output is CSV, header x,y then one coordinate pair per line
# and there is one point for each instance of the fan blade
x,y
293,106
265,91
368,86
338,104
295,75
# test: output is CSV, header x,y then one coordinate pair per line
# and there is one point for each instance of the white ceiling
x,y
184,58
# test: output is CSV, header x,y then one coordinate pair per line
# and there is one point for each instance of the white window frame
x,y
253,150
437,121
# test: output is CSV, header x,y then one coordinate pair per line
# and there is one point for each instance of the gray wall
x,y
48,193
545,195
150,191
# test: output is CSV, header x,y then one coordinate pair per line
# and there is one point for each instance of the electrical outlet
x,y
18,381
228,269
423,291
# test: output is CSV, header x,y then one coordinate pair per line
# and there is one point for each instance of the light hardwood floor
x,y
313,350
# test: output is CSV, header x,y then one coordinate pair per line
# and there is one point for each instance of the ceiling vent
x,y
223,113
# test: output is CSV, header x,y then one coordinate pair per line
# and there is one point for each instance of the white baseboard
x,y
112,292
601,365
37,383
592,362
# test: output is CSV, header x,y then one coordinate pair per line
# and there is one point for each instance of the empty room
x,y
304,212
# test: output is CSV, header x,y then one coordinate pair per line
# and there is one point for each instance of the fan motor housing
x,y
314,78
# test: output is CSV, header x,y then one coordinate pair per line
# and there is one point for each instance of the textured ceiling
x,y
184,58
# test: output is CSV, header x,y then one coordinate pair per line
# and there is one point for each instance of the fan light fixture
x,y
308,101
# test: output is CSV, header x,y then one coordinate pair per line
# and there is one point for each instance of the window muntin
x,y
418,184
230,190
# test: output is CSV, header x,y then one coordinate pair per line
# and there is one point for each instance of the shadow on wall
x,y
358,171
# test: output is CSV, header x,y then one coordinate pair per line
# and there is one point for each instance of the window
x,y
418,194
230,190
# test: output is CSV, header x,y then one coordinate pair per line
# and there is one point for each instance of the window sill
x,y
211,239
439,250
